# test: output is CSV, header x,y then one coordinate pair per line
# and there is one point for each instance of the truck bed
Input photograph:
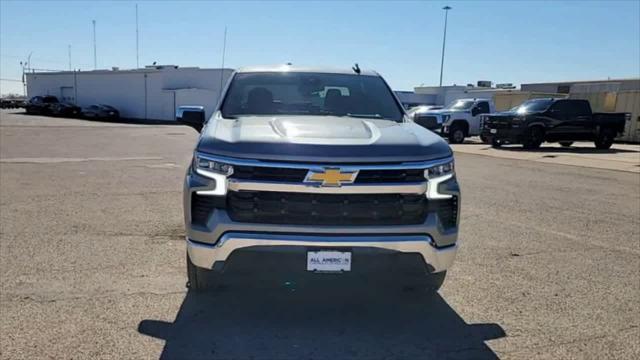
x,y
614,120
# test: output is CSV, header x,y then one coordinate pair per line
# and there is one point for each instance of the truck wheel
x,y
566,143
533,138
495,143
456,134
430,285
604,140
199,279
485,139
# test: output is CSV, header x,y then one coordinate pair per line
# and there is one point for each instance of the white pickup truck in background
x,y
461,118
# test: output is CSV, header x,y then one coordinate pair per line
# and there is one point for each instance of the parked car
x,y
554,120
40,105
302,171
461,118
65,109
100,112
11,103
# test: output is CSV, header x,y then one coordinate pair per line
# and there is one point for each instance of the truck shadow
x,y
121,120
319,319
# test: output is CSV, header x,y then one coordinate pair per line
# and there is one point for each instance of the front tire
x,y
199,279
605,139
456,134
533,138
484,139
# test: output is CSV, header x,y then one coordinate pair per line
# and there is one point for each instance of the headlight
x,y
437,171
436,175
214,170
205,166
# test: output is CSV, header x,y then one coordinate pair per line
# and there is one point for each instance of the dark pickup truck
x,y
553,120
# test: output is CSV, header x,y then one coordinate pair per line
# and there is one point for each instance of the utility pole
x,y
95,56
24,65
69,57
444,39
137,41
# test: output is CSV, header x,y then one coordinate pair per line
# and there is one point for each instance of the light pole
x,y
137,41
444,39
95,56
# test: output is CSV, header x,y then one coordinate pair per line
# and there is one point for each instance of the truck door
x,y
480,108
557,119
582,124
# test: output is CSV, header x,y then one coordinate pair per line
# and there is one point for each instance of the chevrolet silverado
x,y
323,168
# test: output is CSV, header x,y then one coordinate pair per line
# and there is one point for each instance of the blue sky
x,y
519,41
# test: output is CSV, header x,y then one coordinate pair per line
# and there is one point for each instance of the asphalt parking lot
x,y
92,261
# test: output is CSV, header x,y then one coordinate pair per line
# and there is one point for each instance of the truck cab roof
x,y
292,68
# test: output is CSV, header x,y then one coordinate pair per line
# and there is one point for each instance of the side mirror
x,y
192,116
475,111
426,121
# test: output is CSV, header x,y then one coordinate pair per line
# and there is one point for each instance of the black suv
x,y
553,120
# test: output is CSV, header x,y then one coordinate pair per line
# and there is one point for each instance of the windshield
x,y
283,93
533,106
461,105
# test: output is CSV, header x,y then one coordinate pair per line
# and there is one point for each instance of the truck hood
x,y
326,139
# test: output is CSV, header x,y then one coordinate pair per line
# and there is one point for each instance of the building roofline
x,y
120,71
581,81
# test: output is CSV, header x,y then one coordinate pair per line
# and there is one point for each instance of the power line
x,y
43,60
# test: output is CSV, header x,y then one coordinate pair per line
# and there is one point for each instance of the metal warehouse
x,y
153,92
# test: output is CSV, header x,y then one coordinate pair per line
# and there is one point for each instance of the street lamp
x,y
444,39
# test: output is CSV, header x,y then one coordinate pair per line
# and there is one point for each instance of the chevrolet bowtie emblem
x,y
331,177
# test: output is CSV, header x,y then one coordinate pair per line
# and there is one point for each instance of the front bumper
x,y
213,240
211,256
507,135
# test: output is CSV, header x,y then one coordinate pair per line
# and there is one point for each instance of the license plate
x,y
494,131
329,261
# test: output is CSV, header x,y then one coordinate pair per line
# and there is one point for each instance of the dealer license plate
x,y
493,131
329,261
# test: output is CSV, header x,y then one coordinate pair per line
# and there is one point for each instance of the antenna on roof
x,y
356,69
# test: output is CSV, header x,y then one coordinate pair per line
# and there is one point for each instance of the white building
x,y
151,93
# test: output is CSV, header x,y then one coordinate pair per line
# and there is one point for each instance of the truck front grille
x,y
326,209
426,121
496,123
264,173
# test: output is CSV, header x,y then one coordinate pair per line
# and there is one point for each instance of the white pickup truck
x,y
461,118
